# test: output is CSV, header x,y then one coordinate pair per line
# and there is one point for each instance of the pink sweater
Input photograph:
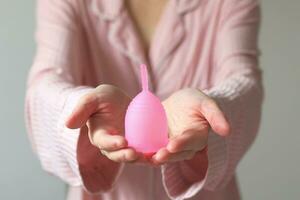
x,y
206,44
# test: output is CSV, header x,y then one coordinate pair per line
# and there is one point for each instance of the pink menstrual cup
x,y
146,128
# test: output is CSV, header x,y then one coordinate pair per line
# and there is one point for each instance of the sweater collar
x,y
110,9
118,29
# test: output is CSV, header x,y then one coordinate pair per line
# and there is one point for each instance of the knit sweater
x,y
206,44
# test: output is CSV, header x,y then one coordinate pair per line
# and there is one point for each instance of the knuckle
x,y
104,86
88,100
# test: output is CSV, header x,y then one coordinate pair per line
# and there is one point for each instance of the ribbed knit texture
x,y
210,45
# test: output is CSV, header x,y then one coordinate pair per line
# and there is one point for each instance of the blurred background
x,y
270,170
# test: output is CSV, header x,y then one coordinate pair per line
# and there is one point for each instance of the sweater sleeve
x,y
239,93
53,90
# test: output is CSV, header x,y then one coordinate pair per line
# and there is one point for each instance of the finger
x,y
105,141
142,159
86,106
123,155
163,156
190,140
215,117
160,156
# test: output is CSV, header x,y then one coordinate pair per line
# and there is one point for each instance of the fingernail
x,y
155,161
171,148
156,157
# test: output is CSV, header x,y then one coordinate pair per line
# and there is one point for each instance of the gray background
x,y
269,171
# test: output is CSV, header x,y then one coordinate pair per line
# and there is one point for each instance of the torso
x,y
181,48
146,15
181,56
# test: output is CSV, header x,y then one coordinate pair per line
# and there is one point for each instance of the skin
x,y
190,112
102,112
146,16
190,115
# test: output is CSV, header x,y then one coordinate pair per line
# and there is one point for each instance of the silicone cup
x,y
146,128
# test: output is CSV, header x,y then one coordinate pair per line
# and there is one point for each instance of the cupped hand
x,y
190,115
102,112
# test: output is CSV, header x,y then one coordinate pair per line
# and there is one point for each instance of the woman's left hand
x,y
190,114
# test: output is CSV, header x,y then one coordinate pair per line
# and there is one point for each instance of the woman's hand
x,y
190,114
102,113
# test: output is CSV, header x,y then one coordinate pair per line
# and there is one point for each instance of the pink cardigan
x,y
206,44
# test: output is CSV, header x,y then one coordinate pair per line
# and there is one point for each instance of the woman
x,y
203,63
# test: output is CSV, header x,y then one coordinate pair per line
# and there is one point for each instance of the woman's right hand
x,y
102,113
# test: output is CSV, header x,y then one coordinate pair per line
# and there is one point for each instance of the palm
x,y
190,113
183,113
111,111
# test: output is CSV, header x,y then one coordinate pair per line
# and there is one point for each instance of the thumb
x,y
86,106
215,117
